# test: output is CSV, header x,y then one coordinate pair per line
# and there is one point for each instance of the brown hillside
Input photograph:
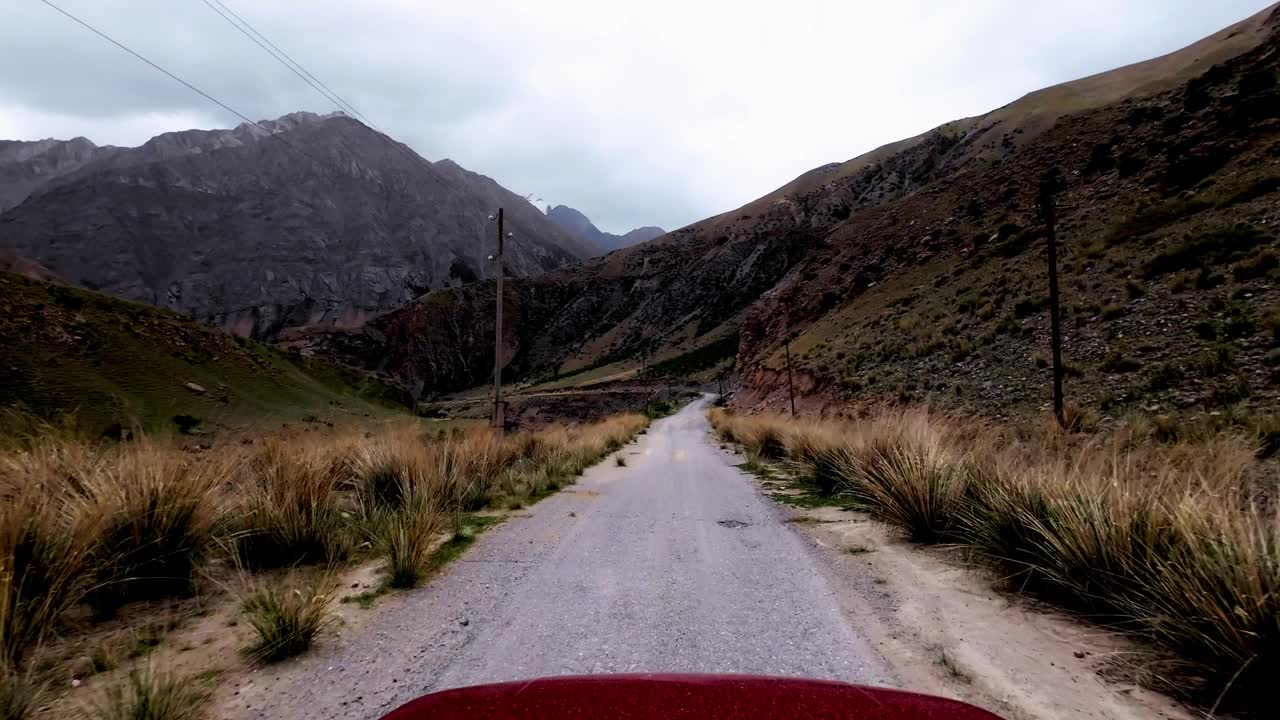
x,y
911,271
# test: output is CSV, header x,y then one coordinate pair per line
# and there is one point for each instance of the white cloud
x,y
661,112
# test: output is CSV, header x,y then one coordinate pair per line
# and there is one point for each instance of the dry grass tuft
x,y
287,619
1165,541
147,694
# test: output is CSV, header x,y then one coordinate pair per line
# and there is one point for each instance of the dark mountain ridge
x,y
305,220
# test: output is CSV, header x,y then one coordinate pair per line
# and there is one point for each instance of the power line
x,y
195,89
249,32
298,69
306,74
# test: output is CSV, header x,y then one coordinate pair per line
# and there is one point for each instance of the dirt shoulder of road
x,y
947,629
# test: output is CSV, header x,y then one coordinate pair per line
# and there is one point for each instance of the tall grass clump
x,y
286,619
44,566
758,434
153,512
148,694
913,487
291,508
406,539
401,506
1174,543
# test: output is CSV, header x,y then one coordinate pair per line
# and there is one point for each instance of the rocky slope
x,y
578,224
316,221
914,272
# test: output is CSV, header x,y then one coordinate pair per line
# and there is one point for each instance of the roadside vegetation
x,y
1176,543
95,535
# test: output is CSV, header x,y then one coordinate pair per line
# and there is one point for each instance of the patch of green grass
x,y
809,500
620,461
472,527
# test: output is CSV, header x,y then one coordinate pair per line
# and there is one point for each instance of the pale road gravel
x,y
673,563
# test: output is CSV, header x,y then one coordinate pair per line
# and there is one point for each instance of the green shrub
x,y
1215,361
659,409
1211,248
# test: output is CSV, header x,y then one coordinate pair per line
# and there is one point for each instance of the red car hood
x,y
700,697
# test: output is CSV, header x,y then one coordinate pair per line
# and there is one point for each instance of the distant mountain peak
x,y
574,221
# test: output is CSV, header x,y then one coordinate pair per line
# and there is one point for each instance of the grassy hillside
x,y
101,363
1169,264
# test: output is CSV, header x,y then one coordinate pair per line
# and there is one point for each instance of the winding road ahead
x,y
673,563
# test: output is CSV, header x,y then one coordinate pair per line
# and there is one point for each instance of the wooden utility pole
x,y
499,419
791,389
1048,188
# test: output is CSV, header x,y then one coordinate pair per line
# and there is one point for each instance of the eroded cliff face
x,y
318,221
26,167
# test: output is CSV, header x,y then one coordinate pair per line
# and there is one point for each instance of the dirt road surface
x,y
673,563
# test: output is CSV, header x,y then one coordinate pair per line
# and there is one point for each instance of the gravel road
x,y
673,563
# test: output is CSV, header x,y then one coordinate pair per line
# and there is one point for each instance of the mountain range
x,y
916,271
298,222
913,273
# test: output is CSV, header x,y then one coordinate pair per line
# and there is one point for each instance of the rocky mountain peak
x,y
259,235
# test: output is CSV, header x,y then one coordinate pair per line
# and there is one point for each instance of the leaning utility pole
x,y
499,419
1049,186
791,389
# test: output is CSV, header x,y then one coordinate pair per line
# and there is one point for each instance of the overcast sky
x,y
641,113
